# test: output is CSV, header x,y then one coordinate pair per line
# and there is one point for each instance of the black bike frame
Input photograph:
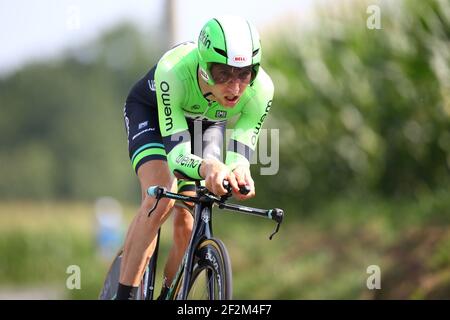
x,y
202,230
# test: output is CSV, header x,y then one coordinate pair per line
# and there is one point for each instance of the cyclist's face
x,y
230,83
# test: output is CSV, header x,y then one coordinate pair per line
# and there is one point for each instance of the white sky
x,y
39,29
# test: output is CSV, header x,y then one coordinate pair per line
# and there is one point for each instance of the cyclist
x,y
182,104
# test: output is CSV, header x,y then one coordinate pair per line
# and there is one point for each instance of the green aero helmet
x,y
230,40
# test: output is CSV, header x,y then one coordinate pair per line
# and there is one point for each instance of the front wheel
x,y
211,273
111,283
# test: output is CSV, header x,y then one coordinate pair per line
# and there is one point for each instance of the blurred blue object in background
x,y
109,228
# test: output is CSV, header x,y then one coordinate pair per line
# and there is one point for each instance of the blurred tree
x,y
362,109
359,109
61,127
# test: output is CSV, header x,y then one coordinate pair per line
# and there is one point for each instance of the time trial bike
x,y
205,271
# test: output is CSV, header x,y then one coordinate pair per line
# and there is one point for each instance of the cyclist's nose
x,y
233,85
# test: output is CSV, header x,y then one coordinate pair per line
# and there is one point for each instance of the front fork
x,y
202,230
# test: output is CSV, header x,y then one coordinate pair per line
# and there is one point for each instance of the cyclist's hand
x,y
244,178
214,172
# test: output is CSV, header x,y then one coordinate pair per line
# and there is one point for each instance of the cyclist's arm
x,y
248,127
170,92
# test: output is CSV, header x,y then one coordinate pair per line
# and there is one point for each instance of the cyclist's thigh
x,y
183,210
145,145
141,124
155,172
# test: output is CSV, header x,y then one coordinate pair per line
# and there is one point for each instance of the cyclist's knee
x,y
155,172
160,212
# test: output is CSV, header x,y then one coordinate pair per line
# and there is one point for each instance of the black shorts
x,y
144,136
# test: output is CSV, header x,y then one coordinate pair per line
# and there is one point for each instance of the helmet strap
x,y
204,75
206,95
